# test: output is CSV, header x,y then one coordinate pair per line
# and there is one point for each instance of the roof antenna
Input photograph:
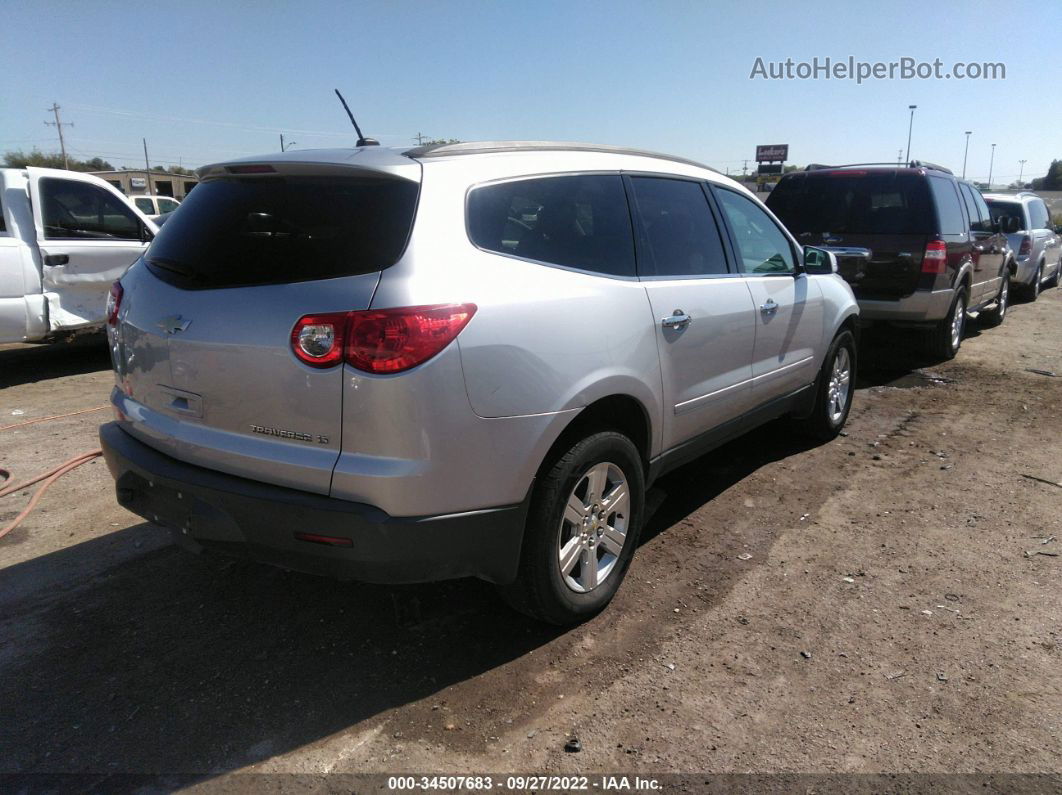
x,y
362,140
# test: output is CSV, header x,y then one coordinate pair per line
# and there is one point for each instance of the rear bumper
x,y
208,509
920,306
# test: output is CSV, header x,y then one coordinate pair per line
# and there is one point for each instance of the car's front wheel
x,y
834,389
582,529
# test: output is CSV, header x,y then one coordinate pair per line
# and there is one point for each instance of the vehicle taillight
x,y
393,340
114,303
1026,247
318,339
935,257
379,341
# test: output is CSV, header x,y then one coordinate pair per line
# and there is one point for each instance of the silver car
x,y
1037,249
462,360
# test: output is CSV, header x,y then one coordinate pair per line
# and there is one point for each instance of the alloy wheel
x,y
839,386
593,529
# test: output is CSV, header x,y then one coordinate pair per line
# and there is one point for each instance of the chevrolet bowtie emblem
x,y
173,324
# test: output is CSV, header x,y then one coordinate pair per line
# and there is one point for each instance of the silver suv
x,y
1037,249
464,360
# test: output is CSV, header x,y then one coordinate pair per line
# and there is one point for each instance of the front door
x,y
788,305
88,236
703,312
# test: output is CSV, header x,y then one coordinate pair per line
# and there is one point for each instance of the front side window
x,y
681,235
761,246
80,211
167,205
949,214
579,221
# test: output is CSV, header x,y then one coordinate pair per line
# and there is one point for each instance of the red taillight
x,y
935,257
1026,247
318,339
393,340
379,341
114,303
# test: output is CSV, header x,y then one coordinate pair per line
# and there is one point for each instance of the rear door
x,y
88,235
885,212
703,312
789,306
213,306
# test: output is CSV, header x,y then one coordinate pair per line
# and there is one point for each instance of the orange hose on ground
x,y
48,477
54,417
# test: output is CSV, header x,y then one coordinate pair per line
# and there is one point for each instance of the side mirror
x,y
819,261
146,235
1058,229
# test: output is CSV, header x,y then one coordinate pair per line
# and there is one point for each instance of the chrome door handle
x,y
678,319
770,307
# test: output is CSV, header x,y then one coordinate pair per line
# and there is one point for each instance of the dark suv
x,y
917,245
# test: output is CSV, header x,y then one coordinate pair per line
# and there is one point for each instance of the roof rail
x,y
912,164
495,147
1027,193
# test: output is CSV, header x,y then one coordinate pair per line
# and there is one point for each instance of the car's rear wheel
x,y
834,389
994,317
1032,291
1053,281
945,338
582,529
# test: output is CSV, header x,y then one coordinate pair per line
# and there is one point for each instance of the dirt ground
x,y
888,619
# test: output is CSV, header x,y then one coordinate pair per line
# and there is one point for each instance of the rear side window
x,y
80,211
574,221
681,235
949,214
853,202
274,230
975,207
1038,217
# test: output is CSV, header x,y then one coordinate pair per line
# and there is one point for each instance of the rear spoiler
x,y
375,162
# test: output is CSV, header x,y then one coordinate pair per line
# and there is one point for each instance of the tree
x,y
39,159
441,141
1053,179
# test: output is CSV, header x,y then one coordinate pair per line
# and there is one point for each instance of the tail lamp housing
x,y
114,303
379,341
935,257
1026,247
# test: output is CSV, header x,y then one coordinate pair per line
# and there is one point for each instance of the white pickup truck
x,y
64,238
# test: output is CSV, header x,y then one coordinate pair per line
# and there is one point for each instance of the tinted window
x,y
578,221
145,206
1038,217
971,205
681,236
1000,210
167,205
77,210
949,214
852,202
271,230
762,248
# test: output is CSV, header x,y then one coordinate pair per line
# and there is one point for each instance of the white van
x,y
65,237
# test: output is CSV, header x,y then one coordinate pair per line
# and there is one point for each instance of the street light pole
x,y
991,161
910,126
965,153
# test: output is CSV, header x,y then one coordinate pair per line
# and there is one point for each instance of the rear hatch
x,y
205,349
886,213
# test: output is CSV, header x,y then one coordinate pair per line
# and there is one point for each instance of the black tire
x,y
541,590
996,316
1032,290
1053,281
824,423
940,343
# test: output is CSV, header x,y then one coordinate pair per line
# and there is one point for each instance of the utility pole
x,y
147,169
910,126
990,163
419,138
59,126
744,169
282,142
899,156
964,154
1020,173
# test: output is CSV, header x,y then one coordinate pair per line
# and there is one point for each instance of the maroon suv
x,y
917,245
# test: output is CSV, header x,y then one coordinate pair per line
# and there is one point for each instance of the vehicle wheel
x,y
582,529
994,317
1032,291
1053,281
834,390
946,338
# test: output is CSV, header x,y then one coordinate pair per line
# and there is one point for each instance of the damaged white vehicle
x,y
65,237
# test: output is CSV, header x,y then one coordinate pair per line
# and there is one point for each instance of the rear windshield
x,y
892,203
266,230
1006,210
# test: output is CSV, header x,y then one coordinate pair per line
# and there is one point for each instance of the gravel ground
x,y
888,619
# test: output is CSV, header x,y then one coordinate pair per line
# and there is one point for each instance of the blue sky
x,y
206,81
